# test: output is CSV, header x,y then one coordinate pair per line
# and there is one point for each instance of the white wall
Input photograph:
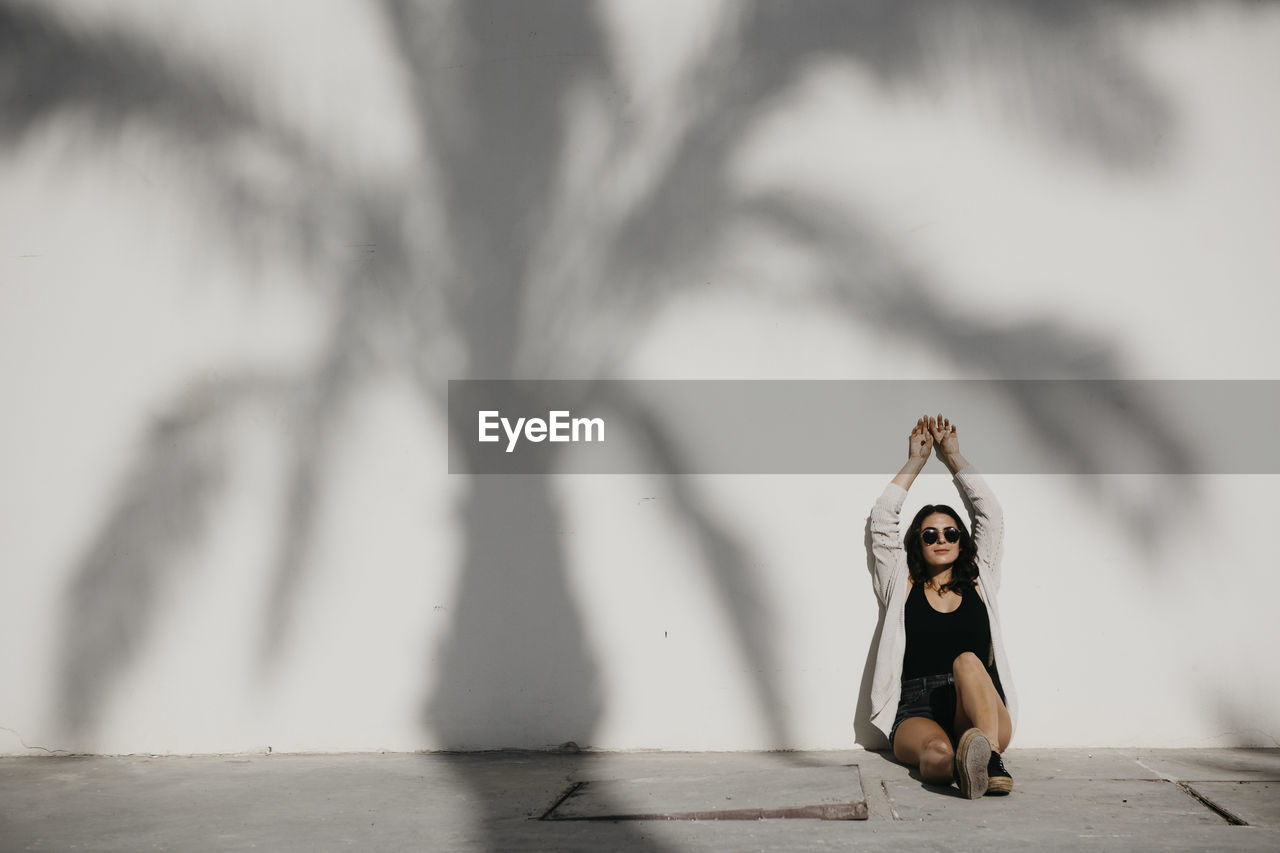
x,y
122,288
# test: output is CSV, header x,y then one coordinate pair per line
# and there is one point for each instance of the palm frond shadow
x,y
52,68
157,522
495,133
865,281
726,560
98,85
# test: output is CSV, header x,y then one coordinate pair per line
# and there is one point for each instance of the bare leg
x,y
923,743
978,702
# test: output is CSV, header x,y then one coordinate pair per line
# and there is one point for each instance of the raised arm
x,y
886,537
918,448
988,518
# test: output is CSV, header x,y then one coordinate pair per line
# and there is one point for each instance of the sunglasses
x,y
929,535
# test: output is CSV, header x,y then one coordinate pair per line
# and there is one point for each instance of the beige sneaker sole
x,y
998,786
972,754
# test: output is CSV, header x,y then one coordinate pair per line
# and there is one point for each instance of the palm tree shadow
x,y
496,125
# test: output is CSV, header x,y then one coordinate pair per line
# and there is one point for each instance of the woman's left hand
x,y
944,435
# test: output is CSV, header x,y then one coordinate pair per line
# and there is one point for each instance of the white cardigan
x,y
892,586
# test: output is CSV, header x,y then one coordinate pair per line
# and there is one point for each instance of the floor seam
x,y
1221,811
893,811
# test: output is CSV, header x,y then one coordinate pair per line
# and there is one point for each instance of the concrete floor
x,y
1063,800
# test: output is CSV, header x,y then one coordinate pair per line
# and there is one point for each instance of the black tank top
x,y
935,640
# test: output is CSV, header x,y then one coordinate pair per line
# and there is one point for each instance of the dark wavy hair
x,y
965,570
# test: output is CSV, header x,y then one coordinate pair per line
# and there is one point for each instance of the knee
x,y
939,746
967,664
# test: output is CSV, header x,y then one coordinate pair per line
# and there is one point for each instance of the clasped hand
x,y
933,432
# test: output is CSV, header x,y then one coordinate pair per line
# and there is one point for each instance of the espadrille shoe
x,y
999,782
970,763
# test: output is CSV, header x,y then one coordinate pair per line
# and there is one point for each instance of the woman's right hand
x,y
918,450
921,441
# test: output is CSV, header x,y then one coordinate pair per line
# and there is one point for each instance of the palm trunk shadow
x,y
516,669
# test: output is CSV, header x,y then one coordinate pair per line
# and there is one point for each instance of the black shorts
x,y
933,697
